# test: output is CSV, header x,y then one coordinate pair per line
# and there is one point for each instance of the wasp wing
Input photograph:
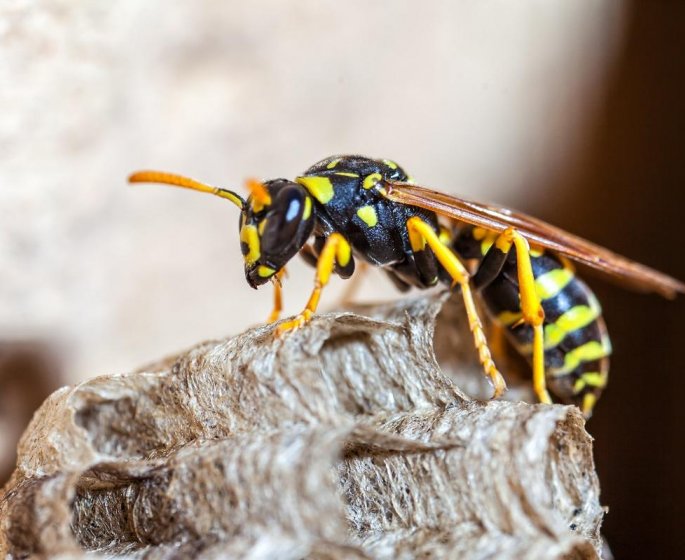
x,y
537,232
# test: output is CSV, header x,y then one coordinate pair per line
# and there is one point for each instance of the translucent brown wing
x,y
538,233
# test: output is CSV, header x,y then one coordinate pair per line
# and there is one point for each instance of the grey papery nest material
x,y
342,440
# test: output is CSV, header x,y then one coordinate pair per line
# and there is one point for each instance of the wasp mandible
x,y
358,207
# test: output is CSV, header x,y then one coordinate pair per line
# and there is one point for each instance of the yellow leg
x,y
531,309
420,234
336,249
278,296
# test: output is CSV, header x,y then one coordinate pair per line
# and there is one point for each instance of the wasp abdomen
x,y
576,341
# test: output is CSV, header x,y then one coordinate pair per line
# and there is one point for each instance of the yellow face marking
x,y
249,236
371,180
261,227
391,164
588,352
320,188
265,271
307,208
346,174
550,283
368,215
333,163
507,318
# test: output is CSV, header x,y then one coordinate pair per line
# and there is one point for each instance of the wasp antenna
x,y
164,178
258,191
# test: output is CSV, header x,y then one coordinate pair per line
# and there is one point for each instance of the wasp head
x,y
275,223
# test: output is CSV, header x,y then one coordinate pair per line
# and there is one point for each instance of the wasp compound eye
x,y
283,222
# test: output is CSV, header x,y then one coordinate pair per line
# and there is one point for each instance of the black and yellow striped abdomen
x,y
577,344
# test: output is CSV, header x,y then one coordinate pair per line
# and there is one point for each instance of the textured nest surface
x,y
342,440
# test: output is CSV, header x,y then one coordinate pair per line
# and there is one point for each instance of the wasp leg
x,y
420,234
310,254
336,251
532,313
278,296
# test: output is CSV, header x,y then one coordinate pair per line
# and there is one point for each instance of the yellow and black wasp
x,y
357,207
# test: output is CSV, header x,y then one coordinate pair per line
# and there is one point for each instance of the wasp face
x,y
275,223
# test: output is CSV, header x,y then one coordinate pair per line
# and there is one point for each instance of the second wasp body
x,y
358,207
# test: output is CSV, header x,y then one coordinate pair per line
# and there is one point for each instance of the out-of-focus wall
x,y
486,99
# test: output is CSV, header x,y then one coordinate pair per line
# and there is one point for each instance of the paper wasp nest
x,y
343,440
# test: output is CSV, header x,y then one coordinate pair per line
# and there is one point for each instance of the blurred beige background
x,y
570,109
487,99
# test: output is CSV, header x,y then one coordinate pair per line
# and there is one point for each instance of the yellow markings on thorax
x,y
367,214
391,164
346,174
575,318
588,352
249,236
320,188
370,181
261,227
333,163
486,238
550,283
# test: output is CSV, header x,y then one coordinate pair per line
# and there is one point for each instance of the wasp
x,y
356,207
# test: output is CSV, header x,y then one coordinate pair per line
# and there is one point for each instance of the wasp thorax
x,y
275,224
